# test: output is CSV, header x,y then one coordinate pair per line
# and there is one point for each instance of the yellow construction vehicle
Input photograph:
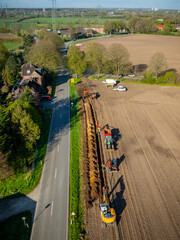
x,y
108,214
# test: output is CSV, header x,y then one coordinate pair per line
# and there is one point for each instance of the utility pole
x,y
54,15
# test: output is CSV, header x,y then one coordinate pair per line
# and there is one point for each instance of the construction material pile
x,y
92,155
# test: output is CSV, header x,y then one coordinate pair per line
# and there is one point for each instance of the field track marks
x,y
167,124
132,117
130,220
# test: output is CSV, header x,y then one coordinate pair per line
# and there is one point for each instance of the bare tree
x,y
95,55
119,59
157,64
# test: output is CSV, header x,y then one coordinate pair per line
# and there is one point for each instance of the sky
x,y
161,4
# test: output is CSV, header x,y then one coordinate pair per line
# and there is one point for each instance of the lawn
x,y
64,22
76,222
12,45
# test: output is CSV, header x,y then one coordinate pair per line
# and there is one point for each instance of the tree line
x,y
115,61
21,118
139,21
138,24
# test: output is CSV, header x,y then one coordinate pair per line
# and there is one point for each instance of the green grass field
x,y
62,22
12,45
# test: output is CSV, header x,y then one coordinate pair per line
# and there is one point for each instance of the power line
x,y
54,15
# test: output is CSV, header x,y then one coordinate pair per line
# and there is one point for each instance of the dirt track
x,y
145,190
141,47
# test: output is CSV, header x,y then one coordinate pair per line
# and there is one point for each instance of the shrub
x,y
5,89
169,77
148,78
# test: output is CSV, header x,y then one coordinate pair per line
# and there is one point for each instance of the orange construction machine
x,y
108,139
90,94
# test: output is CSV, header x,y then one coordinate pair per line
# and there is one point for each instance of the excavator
x,y
108,214
112,165
89,93
108,139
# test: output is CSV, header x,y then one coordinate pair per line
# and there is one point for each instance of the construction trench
x,y
94,156
94,176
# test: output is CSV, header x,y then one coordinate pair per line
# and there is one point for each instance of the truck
x,y
110,82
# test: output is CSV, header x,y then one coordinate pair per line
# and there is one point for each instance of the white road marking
x,y
58,148
52,208
55,173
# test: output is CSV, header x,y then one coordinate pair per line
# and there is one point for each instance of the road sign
x,y
72,80
73,214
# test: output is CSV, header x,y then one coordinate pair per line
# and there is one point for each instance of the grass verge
x,y
76,222
125,80
23,183
15,228
130,80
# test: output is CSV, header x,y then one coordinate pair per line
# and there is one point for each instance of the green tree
x,y
145,26
28,41
5,89
119,59
110,27
121,24
95,56
51,37
27,96
12,69
157,64
26,127
169,77
4,78
132,22
76,61
5,133
167,29
148,78
45,54
4,54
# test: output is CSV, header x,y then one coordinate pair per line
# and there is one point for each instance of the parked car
x,y
120,88
131,75
45,98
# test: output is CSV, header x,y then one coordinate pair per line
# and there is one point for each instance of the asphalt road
x,y
51,216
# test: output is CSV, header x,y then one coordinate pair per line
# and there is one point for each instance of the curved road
x,y
51,216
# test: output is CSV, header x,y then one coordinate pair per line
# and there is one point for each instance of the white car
x,y
120,88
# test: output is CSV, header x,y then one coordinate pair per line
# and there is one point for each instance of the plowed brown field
x,y
141,47
146,190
